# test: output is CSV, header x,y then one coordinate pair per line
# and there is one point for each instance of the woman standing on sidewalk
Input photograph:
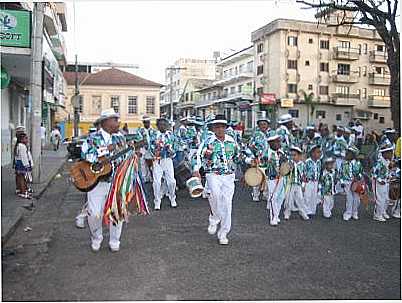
x,y
23,167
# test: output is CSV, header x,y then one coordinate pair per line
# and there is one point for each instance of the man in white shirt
x,y
42,136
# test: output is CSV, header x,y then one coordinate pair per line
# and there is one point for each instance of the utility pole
x,y
36,88
76,99
171,69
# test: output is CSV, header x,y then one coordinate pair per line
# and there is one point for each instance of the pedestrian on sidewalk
x,y
43,134
23,167
55,137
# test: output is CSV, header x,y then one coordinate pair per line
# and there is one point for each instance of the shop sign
x,y
287,103
268,98
15,28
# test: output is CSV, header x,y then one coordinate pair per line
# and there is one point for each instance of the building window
x,y
379,92
364,71
343,69
292,64
241,68
364,93
214,95
365,48
225,92
360,71
96,104
324,44
343,90
260,69
323,90
324,67
307,63
239,88
150,105
310,40
375,116
115,103
249,119
81,104
310,86
260,91
338,117
260,48
360,49
292,88
345,44
380,48
209,96
294,113
132,105
320,113
292,40
379,70
250,66
232,90
382,120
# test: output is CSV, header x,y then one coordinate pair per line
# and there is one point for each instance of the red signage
x,y
268,98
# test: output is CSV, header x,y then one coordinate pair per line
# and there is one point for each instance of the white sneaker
x,y
305,217
380,219
173,204
398,216
274,222
212,229
346,218
386,216
80,221
355,217
256,199
95,247
114,249
223,241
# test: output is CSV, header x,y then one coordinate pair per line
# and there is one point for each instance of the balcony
x,y
346,53
379,79
345,99
352,77
239,96
378,57
245,75
379,101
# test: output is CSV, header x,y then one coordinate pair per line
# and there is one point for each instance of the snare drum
x,y
182,172
195,187
254,176
394,190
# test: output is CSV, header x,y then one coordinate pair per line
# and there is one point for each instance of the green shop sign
x,y
15,28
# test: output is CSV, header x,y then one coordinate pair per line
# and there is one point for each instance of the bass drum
x,y
182,172
394,190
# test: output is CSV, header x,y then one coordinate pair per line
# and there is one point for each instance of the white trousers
x,y
145,171
256,191
96,203
396,211
221,189
164,168
312,197
381,199
327,206
276,195
295,197
352,202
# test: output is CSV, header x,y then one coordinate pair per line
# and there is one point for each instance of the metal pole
x,y
76,99
36,88
171,94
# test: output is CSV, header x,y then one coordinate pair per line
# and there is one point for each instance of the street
x,y
170,256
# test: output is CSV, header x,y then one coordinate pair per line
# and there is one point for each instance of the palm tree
x,y
311,104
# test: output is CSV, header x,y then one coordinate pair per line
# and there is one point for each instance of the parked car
x,y
74,146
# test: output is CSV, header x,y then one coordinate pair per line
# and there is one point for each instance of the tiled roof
x,y
112,76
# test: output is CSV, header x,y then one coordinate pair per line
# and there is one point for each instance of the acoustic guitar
x,y
85,175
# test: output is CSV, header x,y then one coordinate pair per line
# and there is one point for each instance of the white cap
x,y
107,113
298,149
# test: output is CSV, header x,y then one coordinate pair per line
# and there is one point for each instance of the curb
x,y
44,185
8,229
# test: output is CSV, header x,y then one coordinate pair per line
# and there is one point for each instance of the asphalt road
x,y
169,255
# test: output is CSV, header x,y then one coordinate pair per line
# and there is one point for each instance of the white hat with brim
x,y
310,127
107,114
146,118
273,138
183,119
347,130
284,119
20,128
340,128
390,131
329,160
92,129
219,121
263,119
386,148
353,149
295,148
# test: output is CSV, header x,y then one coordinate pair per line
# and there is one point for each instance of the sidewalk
x,y
12,207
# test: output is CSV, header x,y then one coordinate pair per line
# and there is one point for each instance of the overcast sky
x,y
153,34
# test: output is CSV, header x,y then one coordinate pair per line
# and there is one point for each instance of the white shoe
x,y
223,241
386,216
80,221
355,217
305,217
398,216
173,204
274,222
256,199
157,208
95,247
346,218
114,249
212,229
380,219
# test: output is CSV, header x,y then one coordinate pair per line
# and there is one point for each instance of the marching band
x,y
298,170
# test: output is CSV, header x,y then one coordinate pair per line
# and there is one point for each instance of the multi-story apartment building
x,y
233,92
345,67
177,78
16,61
131,96
191,96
